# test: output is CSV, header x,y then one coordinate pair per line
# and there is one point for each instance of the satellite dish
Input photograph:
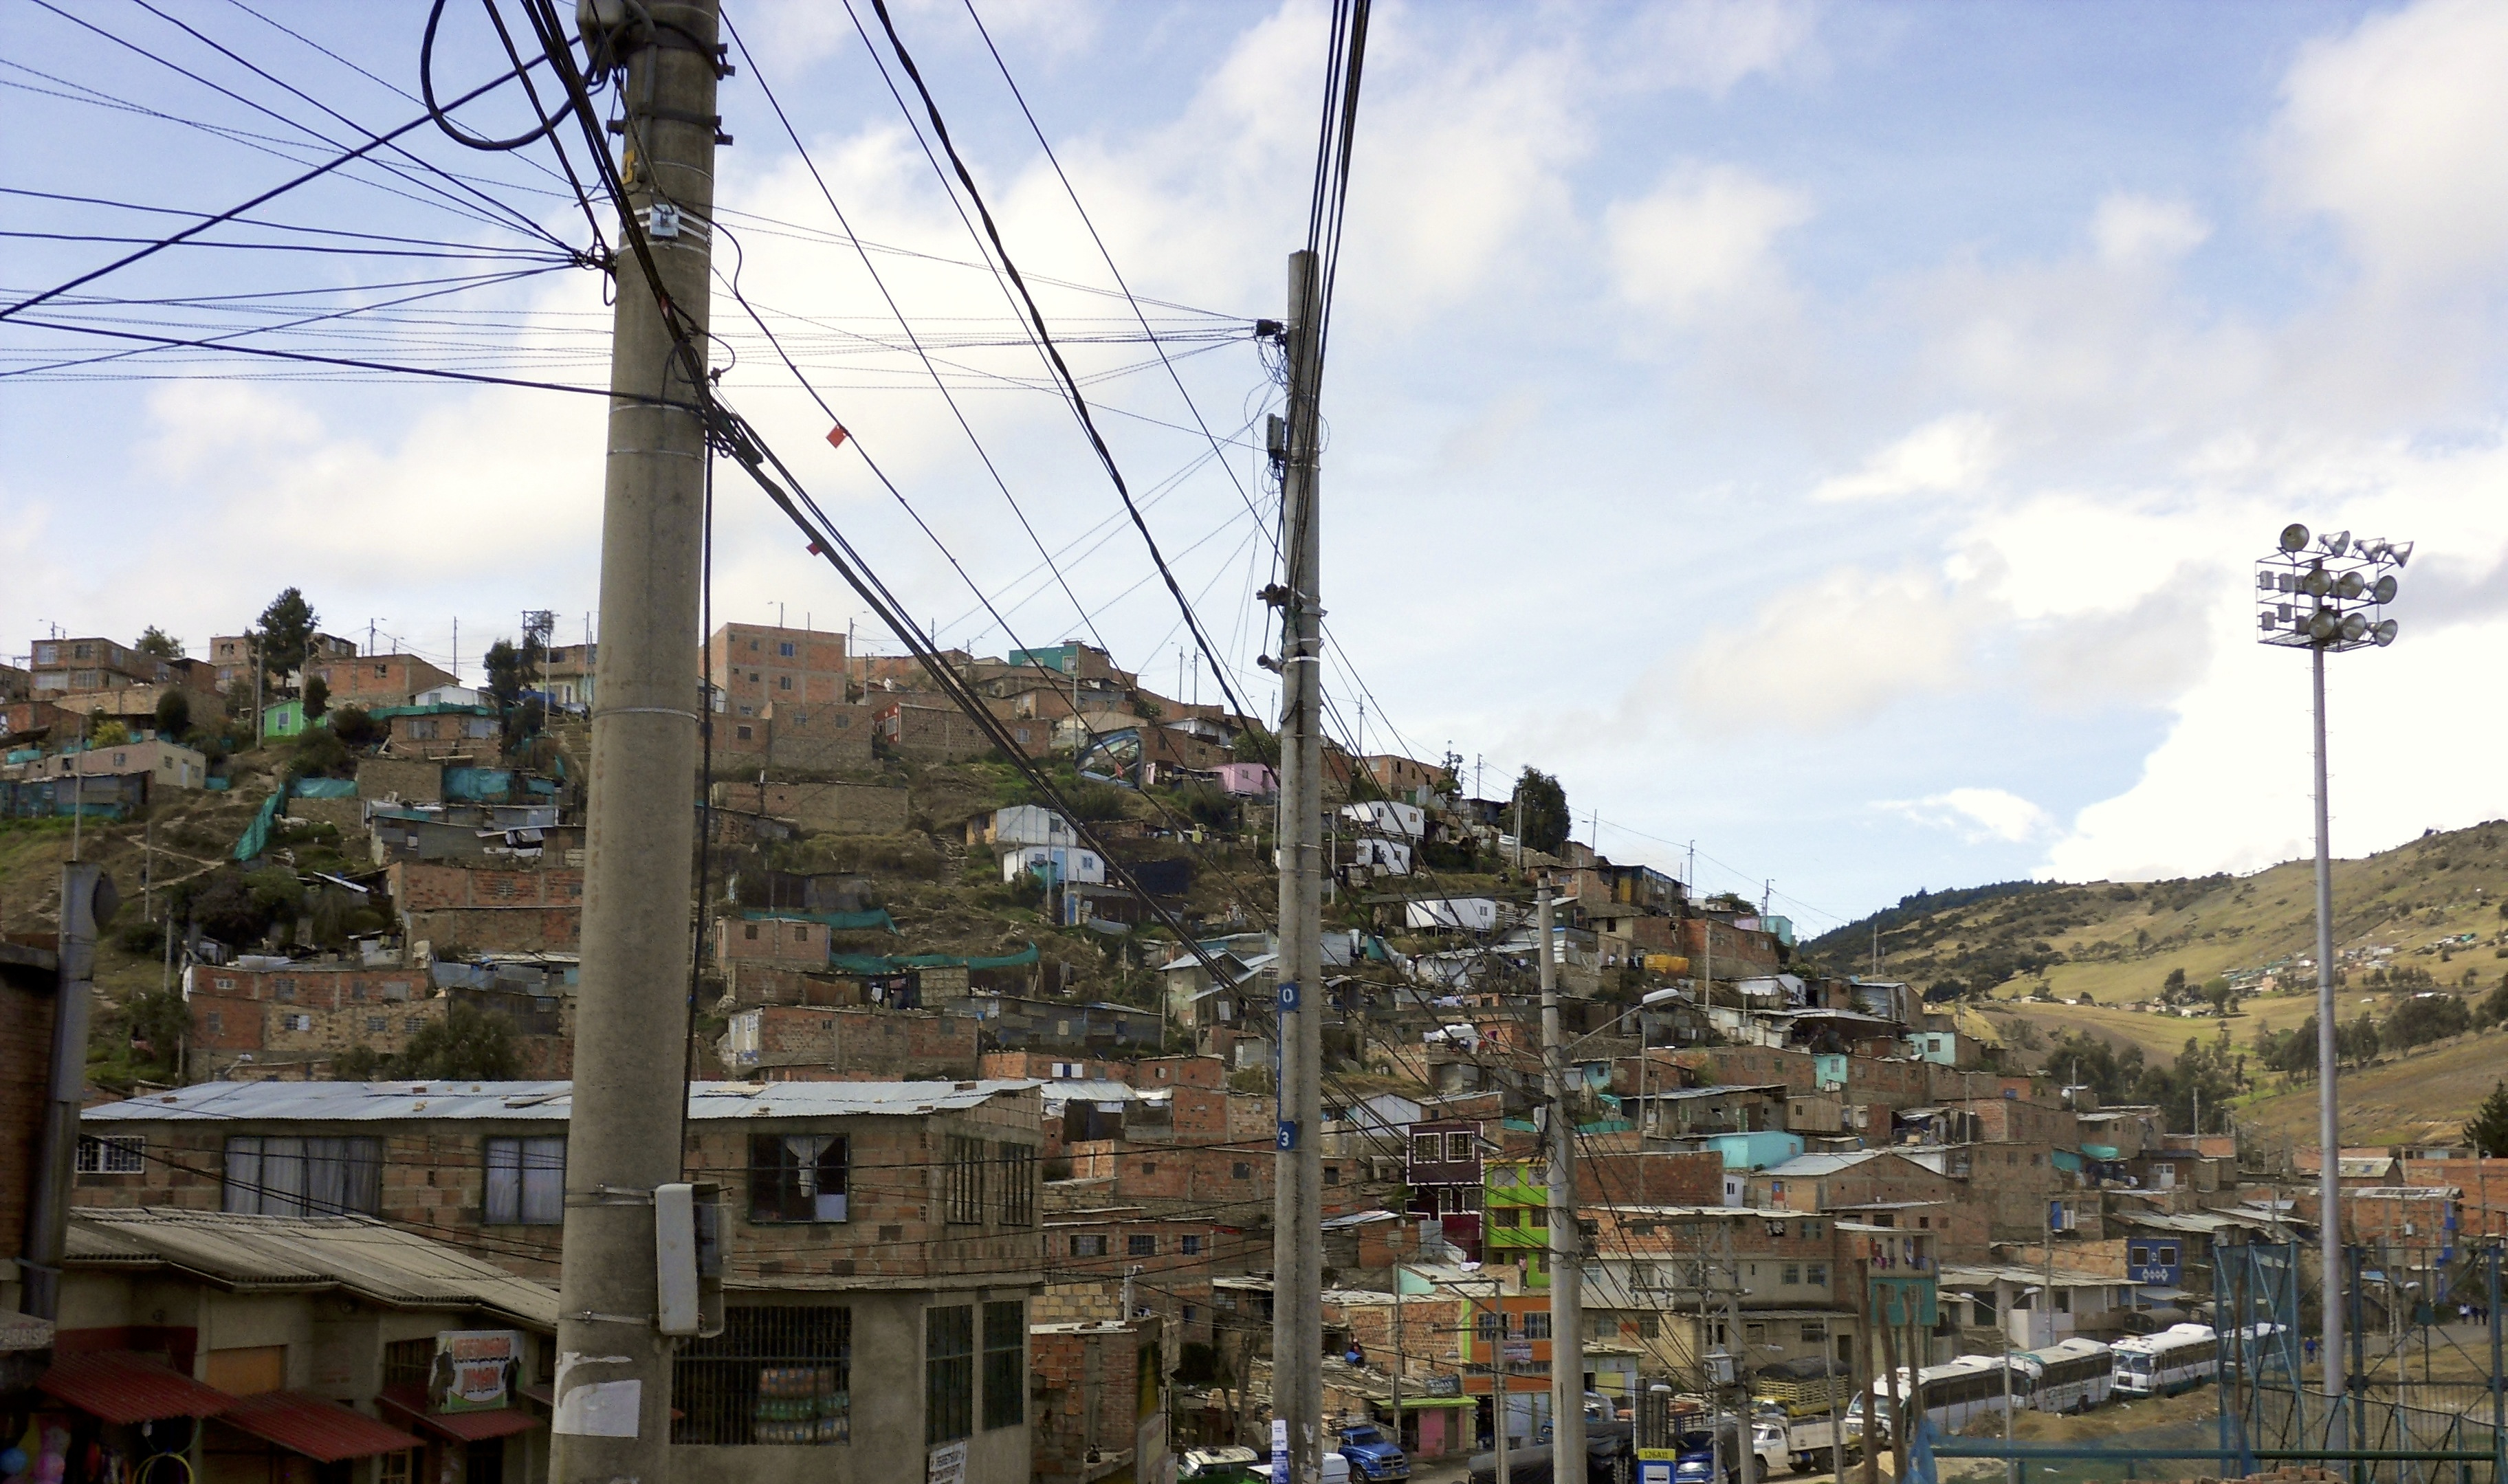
x,y
2385,634
2355,627
2337,543
2323,625
2294,537
2352,585
2383,590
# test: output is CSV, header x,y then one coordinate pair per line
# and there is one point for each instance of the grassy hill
x,y
2046,958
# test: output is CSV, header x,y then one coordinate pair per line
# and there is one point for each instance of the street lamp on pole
x,y
2327,594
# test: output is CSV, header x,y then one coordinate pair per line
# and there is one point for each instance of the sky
x,y
1835,438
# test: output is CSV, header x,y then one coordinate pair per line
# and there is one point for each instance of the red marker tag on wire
x,y
836,436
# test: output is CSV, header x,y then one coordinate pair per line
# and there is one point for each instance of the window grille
x,y
966,1193
1005,1364
948,1373
273,1175
1459,1148
797,1178
1536,1326
1190,1245
1425,1149
1018,1184
780,1376
526,1182
408,1363
112,1154
1649,1326
1141,1247
1816,1272
1089,1246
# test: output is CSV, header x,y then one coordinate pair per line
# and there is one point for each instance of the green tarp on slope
x,y
256,835
891,964
326,788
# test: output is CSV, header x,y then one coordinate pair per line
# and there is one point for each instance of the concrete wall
x,y
891,1043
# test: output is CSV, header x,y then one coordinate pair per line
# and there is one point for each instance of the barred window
x,y
1190,1243
1005,1364
1536,1326
526,1182
797,1178
409,1362
1487,1325
1018,1184
111,1154
781,1376
948,1373
271,1176
1649,1326
966,1195
1089,1246
1141,1247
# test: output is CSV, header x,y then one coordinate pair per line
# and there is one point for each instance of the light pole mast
x,y
1297,1212
613,1413
2333,599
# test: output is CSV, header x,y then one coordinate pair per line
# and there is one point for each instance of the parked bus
x,y
2175,1358
1953,1395
2068,1376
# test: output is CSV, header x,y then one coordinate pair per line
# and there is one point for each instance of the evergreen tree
x,y
285,632
2487,1128
1544,805
158,642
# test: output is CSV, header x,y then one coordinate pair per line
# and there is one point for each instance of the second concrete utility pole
x,y
1567,1262
1297,1219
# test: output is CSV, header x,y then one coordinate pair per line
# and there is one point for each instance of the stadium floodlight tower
x,y
2326,594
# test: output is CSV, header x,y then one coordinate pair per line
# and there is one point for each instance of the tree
x,y
318,696
285,633
173,712
352,726
505,672
467,1044
1544,806
2174,985
2487,1128
2217,993
108,733
158,642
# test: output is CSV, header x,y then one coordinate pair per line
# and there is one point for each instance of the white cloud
x,y
1832,651
1978,814
2394,130
1713,45
1949,455
1699,246
2136,229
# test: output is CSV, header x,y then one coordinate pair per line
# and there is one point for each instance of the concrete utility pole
x,y
1566,1264
614,1369
1297,1212
88,903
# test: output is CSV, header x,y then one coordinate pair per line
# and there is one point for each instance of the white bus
x,y
1953,1395
2175,1358
2068,1376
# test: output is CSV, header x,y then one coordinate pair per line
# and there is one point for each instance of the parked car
x,y
1217,1465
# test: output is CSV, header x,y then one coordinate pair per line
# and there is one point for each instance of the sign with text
x,y
475,1370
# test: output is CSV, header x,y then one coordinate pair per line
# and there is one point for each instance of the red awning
x,y
408,1403
125,1388
322,1431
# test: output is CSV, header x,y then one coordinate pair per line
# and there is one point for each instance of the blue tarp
x,y
891,964
476,784
841,922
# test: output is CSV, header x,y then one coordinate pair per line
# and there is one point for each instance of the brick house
x,y
488,909
793,942
1101,1402
448,729
757,664
888,1229
1796,1271
797,736
379,679
804,1042
264,1022
930,731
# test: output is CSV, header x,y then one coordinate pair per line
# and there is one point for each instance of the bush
x,y
319,753
146,940
174,714
355,729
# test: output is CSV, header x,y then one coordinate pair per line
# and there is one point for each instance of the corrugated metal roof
x,y
364,1256
1802,1164
394,1102
125,1389
322,1431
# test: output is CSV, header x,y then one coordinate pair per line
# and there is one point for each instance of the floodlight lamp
x,y
2323,625
2350,585
2264,582
2383,634
2382,591
2399,552
2316,584
2336,544
2355,627
2294,537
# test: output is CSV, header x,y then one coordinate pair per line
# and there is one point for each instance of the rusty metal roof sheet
x,y
322,1431
125,1388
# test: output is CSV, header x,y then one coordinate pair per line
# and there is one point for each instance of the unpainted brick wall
x,y
25,1062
